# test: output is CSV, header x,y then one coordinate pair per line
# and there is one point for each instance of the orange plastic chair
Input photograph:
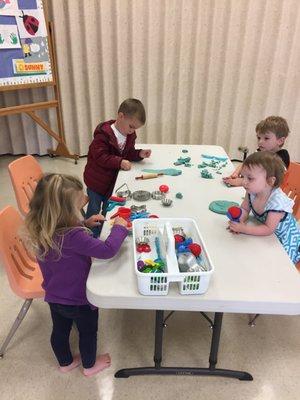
x,y
22,270
291,187
24,173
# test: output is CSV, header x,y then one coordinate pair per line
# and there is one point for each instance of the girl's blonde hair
x,y
52,211
270,162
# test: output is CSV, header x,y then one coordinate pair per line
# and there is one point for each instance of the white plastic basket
x,y
157,284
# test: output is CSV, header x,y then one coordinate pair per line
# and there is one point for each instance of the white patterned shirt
x,y
121,139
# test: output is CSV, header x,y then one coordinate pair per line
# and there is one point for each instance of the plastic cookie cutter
x,y
115,201
123,212
143,214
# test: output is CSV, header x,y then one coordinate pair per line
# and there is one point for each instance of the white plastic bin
x,y
157,284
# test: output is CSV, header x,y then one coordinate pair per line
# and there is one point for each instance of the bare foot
x,y
74,364
103,361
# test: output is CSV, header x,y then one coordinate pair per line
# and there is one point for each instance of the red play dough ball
x,y
235,211
164,188
178,238
195,249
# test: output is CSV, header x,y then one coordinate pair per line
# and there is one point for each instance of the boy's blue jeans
x,y
96,200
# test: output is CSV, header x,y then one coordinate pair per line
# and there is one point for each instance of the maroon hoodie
x,y
104,159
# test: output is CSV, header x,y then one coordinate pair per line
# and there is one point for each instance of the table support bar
x,y
211,371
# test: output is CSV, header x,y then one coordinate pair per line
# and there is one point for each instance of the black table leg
x,y
211,371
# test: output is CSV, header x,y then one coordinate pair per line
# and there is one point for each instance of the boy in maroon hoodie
x,y
112,149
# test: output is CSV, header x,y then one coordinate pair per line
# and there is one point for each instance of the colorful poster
x,y
24,51
31,23
8,7
9,38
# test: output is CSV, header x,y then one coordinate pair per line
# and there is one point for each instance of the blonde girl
x,y
64,247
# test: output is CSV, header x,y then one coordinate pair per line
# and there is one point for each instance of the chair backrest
x,y
24,173
23,272
291,186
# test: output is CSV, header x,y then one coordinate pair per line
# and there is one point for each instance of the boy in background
x,y
112,149
271,133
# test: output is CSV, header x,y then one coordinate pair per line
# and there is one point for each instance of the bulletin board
x,y
28,60
25,53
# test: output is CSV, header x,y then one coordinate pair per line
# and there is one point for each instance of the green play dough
x,y
221,206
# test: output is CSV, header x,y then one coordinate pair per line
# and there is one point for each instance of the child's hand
x,y
146,153
125,165
120,221
233,181
237,227
235,174
94,220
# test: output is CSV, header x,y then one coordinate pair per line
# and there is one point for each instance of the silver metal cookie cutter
x,y
126,193
166,202
137,209
141,195
157,195
142,240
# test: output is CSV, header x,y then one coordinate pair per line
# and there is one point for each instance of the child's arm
x,y
234,179
85,244
265,229
134,154
245,206
100,152
236,172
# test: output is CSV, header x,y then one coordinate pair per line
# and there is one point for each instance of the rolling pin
x,y
148,176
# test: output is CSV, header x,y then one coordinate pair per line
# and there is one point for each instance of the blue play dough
x,y
214,157
166,171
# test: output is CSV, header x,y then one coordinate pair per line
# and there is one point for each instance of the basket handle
x,y
173,269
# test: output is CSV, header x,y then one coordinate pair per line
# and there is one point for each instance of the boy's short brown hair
x,y
133,108
270,162
276,125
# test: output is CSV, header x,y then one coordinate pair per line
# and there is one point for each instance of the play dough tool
x,y
148,176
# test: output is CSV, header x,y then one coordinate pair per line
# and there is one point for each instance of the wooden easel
x,y
29,109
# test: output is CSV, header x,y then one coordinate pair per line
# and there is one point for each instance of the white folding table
x,y
252,274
